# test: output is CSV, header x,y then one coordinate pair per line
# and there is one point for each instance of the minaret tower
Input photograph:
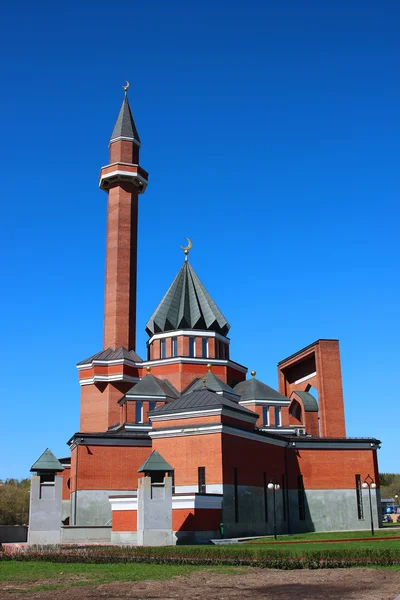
x,y
123,179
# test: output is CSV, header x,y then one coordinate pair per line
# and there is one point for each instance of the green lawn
x,y
37,575
300,548
338,535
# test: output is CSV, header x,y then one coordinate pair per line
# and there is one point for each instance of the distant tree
x,y
390,485
14,501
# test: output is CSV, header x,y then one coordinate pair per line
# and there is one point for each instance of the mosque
x,y
245,458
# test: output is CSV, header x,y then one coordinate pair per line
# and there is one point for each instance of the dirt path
x,y
334,584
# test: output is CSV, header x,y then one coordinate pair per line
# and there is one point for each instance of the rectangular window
x,y
152,406
174,346
301,498
360,507
217,348
277,416
139,412
204,347
283,498
163,349
192,347
265,415
265,498
201,476
235,494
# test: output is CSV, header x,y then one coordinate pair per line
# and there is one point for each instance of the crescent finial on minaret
x,y
187,249
126,87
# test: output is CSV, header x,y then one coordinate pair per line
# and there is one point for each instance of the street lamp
x,y
369,483
274,486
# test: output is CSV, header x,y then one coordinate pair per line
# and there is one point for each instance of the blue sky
x,y
271,135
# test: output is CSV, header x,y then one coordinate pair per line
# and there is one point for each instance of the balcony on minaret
x,y
124,153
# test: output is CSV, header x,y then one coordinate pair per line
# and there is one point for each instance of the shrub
x,y
210,556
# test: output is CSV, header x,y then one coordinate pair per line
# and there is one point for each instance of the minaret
x,y
123,179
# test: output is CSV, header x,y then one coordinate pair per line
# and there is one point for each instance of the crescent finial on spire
x,y
187,249
126,87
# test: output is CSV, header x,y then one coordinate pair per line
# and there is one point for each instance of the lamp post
x,y
370,483
274,486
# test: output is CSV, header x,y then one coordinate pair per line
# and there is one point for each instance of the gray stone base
x,y
43,538
194,537
82,534
92,507
127,538
324,510
155,537
332,510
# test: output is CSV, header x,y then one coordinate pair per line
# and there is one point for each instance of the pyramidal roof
x,y
153,386
111,354
254,389
155,462
125,126
202,399
213,383
187,305
47,462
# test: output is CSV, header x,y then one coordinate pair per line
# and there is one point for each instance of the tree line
x,y
390,485
14,501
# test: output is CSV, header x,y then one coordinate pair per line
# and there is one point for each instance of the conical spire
x,y
187,305
125,127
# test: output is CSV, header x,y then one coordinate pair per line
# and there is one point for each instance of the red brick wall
x,y
65,476
325,355
330,469
94,408
203,519
124,520
99,405
121,258
185,454
186,422
251,459
124,151
199,519
108,467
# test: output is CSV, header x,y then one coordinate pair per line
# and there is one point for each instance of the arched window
x,y
295,410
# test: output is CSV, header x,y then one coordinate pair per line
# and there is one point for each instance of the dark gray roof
x,y
47,462
125,125
153,386
155,462
111,354
310,403
253,389
200,400
187,305
212,383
